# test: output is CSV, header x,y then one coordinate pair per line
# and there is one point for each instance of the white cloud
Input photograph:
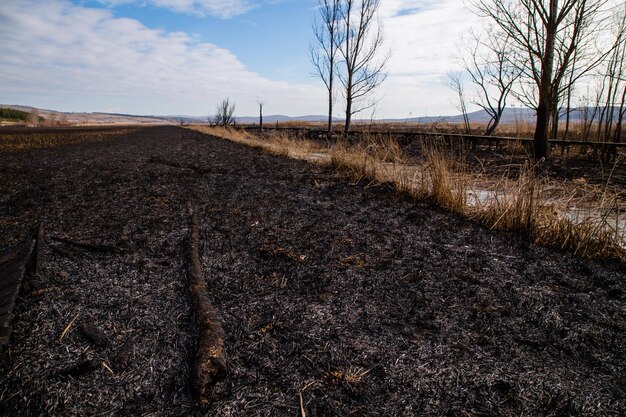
x,y
424,36
219,8
93,60
59,49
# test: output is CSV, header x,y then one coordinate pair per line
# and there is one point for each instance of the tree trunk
x,y
540,139
569,111
600,122
346,129
494,125
546,90
261,118
329,134
555,121
620,119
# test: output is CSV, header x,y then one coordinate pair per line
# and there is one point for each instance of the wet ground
x,y
336,298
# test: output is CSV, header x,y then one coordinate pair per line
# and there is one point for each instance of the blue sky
x,y
184,56
254,36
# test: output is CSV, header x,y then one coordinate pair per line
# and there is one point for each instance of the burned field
x,y
335,298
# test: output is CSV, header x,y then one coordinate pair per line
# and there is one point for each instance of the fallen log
x,y
40,250
12,271
38,256
210,364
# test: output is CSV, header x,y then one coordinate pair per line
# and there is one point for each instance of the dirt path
x,y
345,297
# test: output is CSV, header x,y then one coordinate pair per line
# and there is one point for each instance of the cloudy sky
x,y
184,56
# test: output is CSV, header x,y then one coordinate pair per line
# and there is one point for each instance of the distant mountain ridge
x,y
510,115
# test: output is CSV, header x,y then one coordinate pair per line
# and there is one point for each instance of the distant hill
x,y
86,118
511,115
481,116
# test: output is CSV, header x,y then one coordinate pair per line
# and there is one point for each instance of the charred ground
x,y
346,297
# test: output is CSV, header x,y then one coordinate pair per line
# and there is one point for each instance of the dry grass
x,y
375,158
12,142
518,129
576,217
592,227
572,217
513,205
275,143
446,182
352,375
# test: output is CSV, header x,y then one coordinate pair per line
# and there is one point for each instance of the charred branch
x,y
210,364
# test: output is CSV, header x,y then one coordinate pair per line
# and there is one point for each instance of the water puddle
x,y
612,220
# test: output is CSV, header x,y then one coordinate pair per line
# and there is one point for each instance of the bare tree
x,y
487,60
323,55
569,94
260,102
224,115
585,59
603,110
545,35
590,106
361,42
455,82
615,79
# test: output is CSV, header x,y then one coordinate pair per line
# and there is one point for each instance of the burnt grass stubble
x,y
351,297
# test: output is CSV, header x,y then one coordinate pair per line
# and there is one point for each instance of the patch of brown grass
x,y
353,260
446,182
13,142
513,206
351,375
276,143
375,157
